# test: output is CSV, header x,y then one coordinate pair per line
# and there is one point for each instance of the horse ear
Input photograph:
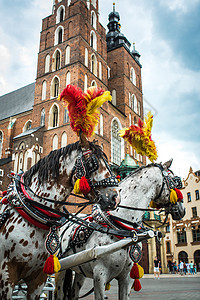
x,y
167,164
84,141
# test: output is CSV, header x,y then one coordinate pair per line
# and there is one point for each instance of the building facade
x,y
183,237
74,48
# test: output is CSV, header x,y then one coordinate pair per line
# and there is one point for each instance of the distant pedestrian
x,y
188,267
191,268
175,268
181,266
184,268
195,268
156,267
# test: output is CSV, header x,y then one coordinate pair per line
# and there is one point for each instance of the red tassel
x,y
179,194
4,193
49,265
137,285
134,271
4,201
84,186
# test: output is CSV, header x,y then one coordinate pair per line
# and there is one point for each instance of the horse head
x,y
92,164
170,196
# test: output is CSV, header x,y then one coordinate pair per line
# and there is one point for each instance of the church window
x,y
64,139
93,83
68,78
67,57
135,104
130,119
61,14
133,76
93,40
55,142
59,34
42,119
86,57
53,116
115,144
47,63
44,90
114,97
66,116
108,72
57,60
85,83
28,125
94,64
101,124
100,70
1,143
55,87
93,19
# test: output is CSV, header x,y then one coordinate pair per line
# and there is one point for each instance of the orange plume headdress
x,y
139,137
83,107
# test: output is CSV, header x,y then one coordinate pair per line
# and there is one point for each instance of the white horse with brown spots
x,y
137,190
22,248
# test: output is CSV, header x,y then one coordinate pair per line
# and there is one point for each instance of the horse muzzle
x,y
178,211
109,200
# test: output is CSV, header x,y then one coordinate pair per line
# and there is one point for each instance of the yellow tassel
x,y
77,187
141,271
108,286
173,197
57,265
152,204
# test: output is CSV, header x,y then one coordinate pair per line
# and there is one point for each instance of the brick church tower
x,y
74,48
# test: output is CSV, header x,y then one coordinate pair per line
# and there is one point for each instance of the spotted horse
x,y
156,183
27,215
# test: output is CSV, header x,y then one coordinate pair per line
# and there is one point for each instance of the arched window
x,y
16,163
55,87
86,57
139,108
61,14
135,121
59,34
114,97
66,116
93,19
55,142
93,40
100,70
64,139
21,161
67,56
1,142
133,76
25,161
53,116
101,124
85,83
56,60
88,4
93,83
68,78
130,119
183,256
94,64
28,125
115,143
135,105
47,63
42,119
44,90
129,99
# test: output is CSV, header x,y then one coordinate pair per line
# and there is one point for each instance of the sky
x,y
165,33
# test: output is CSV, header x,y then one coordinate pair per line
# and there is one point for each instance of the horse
x,y
27,215
137,190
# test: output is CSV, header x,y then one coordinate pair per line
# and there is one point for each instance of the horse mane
x,y
49,165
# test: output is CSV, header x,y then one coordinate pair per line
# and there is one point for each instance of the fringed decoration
x,y
137,285
83,107
108,286
136,273
173,196
82,186
77,187
179,194
139,137
52,265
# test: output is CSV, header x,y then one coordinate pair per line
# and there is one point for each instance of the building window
x,y
28,125
100,70
133,76
55,87
197,194
93,83
67,55
53,116
135,104
56,65
68,78
85,83
42,119
61,14
86,57
196,234
194,212
181,236
59,34
183,256
101,124
94,64
93,40
114,97
57,60
116,144
1,143
64,140
55,142
47,63
1,172
66,116
189,197
93,19
44,90
168,247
